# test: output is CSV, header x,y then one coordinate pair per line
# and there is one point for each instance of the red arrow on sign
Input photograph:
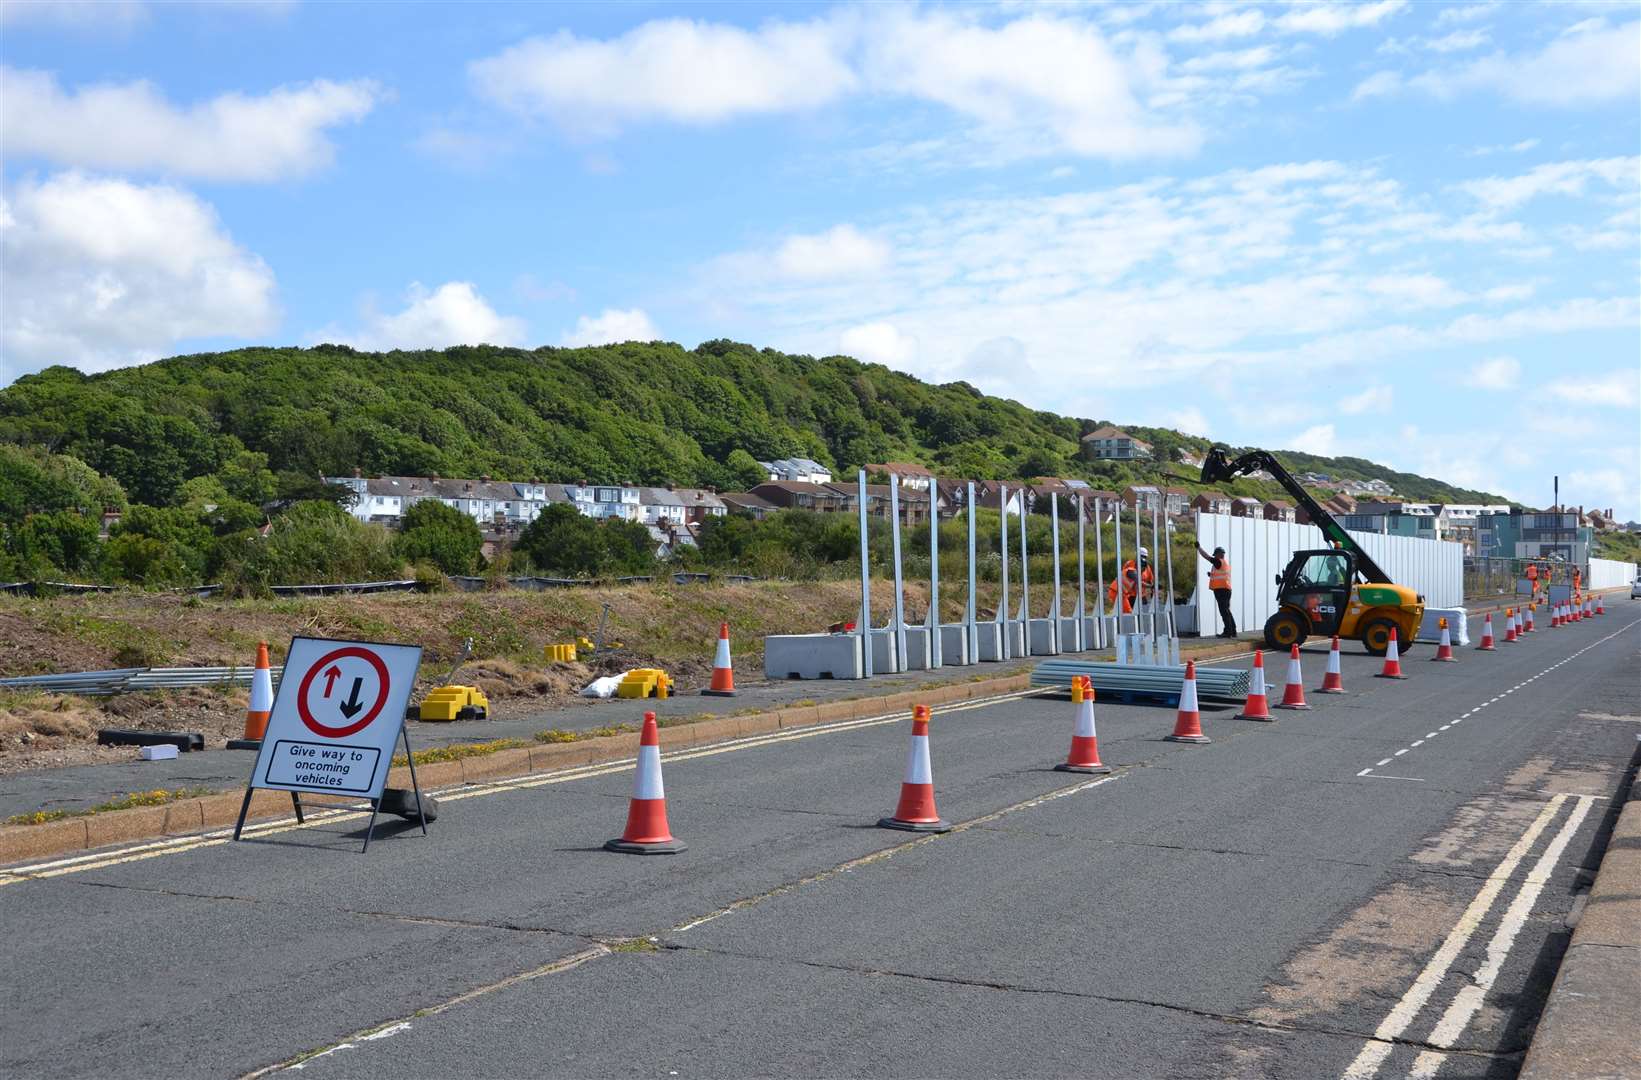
x,y
330,679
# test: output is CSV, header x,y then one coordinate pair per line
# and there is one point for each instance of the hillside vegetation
x,y
645,413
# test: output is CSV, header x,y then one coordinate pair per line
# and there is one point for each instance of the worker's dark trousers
x,y
1223,598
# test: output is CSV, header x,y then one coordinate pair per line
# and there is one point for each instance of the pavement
x,y
1380,886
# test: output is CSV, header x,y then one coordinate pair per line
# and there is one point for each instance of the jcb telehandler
x,y
1320,593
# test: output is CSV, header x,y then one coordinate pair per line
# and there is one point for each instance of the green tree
x,y
442,535
743,471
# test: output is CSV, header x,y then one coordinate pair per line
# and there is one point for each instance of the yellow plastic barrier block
x,y
643,683
448,703
559,654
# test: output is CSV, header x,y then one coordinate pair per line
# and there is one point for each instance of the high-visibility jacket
x,y
1129,588
1220,577
1532,572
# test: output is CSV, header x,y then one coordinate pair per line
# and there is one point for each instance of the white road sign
x,y
336,717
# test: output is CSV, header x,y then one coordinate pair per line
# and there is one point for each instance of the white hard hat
x,y
1144,554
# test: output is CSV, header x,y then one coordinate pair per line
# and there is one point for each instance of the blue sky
x,y
1404,231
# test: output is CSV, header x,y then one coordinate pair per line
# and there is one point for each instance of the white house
x,y
797,470
605,500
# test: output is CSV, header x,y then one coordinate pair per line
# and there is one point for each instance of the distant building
x,y
1278,510
1175,501
744,502
910,474
1247,506
802,495
1114,444
1212,502
797,470
1144,497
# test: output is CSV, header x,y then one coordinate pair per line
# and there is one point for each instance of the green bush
x,y
442,535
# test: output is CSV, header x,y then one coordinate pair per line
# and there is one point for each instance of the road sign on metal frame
x,y
337,716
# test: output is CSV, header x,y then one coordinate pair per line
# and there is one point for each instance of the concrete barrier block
x,y
813,656
1071,634
954,645
885,658
917,649
1090,636
1430,629
990,638
1042,637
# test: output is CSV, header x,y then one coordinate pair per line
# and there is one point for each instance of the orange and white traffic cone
x,y
1332,681
1486,633
1188,724
1444,650
256,713
1085,747
1393,660
1258,705
1293,694
916,812
1529,628
1578,612
1509,625
1556,620
723,672
647,831
1600,606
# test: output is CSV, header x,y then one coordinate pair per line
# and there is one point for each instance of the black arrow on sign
x,y
350,708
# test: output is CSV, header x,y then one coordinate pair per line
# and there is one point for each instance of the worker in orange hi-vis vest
x,y
1532,577
1132,577
1219,583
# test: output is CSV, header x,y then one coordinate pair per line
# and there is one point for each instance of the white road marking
x,y
1460,719
1406,1010
1464,1006
1387,776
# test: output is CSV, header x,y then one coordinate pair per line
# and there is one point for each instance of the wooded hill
x,y
644,413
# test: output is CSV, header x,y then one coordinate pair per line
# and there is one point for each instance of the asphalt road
x,y
1379,886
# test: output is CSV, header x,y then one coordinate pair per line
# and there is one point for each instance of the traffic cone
x,y
1188,725
1444,650
1332,681
1530,628
723,673
1293,694
647,832
916,812
1578,613
1393,660
1085,747
1509,625
1258,705
1600,606
256,713
1555,619
1486,633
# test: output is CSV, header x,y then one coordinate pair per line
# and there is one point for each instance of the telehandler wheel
x,y
1284,630
1376,637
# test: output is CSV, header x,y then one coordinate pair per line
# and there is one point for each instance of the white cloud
x,y
878,343
1373,399
840,251
1568,178
1234,24
1465,13
105,272
672,69
452,314
131,126
1457,41
1497,373
106,16
1190,421
1594,66
1033,78
611,327
1616,389
1326,18
1319,439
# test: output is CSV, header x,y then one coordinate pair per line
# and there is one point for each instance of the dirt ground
x,y
673,627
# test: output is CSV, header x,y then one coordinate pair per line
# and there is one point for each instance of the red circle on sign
x,y
370,714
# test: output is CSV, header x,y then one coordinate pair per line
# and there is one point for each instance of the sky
x,y
1409,232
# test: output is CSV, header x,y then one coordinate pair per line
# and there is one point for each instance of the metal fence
x,y
130,680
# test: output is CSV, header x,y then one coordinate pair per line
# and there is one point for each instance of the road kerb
x,y
1592,1016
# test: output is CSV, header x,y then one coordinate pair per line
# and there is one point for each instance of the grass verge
x,y
157,797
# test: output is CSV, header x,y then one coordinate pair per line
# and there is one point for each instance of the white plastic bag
x,y
605,687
